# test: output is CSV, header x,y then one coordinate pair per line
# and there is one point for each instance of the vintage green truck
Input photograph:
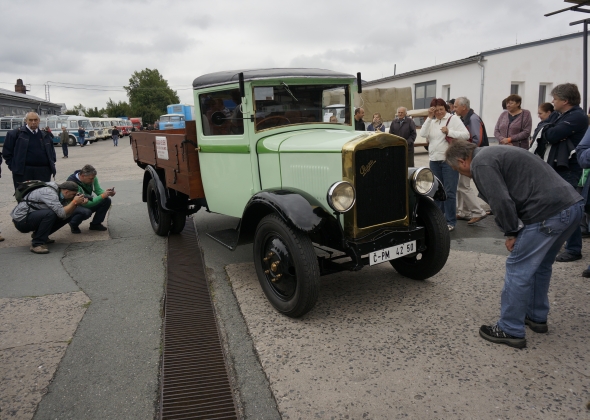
x,y
313,195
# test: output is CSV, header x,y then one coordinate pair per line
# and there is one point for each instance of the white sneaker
x,y
451,228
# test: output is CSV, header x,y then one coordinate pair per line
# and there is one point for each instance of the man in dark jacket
x,y
563,137
537,210
359,124
405,127
29,152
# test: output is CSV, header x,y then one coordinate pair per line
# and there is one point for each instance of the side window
x,y
423,94
5,125
225,105
73,124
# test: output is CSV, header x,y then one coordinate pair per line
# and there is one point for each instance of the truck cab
x,y
267,155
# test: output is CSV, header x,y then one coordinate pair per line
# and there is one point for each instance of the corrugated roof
x,y
21,96
475,58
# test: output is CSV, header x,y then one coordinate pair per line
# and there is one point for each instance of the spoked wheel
x,y
286,266
160,219
438,244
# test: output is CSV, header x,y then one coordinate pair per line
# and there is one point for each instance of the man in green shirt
x,y
99,201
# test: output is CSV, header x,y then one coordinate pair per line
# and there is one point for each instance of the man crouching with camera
x,y
45,210
99,203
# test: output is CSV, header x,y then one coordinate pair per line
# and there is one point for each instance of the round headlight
x,y
423,181
341,196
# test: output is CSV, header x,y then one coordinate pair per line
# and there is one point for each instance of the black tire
x,y
72,141
438,244
296,287
178,222
159,218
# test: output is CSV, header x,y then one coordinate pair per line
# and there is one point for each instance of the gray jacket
x,y
406,129
41,198
520,188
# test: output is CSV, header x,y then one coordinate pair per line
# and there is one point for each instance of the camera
x,y
86,196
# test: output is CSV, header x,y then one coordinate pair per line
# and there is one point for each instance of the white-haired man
x,y
468,207
405,127
29,152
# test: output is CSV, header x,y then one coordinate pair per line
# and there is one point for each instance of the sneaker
x,y
75,229
474,220
586,273
463,217
97,227
49,241
451,228
566,256
538,327
495,334
39,249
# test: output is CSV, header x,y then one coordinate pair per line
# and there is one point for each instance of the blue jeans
x,y
573,245
450,179
83,213
116,140
529,266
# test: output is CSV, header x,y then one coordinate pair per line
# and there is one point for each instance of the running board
x,y
227,237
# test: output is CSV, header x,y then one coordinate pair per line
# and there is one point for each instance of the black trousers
x,y
64,148
39,173
42,223
83,213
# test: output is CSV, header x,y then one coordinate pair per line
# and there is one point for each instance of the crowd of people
x,y
537,187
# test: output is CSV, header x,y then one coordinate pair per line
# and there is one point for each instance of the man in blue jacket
x,y
29,153
563,138
583,154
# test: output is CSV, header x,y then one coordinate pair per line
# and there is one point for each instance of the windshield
x,y
284,104
84,123
96,124
164,119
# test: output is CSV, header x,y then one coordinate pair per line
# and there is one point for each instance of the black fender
x,y
297,208
149,174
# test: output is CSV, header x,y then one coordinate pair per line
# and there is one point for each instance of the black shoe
x,y
75,229
586,273
49,241
97,227
495,334
538,327
566,256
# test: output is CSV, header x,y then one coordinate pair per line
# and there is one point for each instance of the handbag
x,y
447,138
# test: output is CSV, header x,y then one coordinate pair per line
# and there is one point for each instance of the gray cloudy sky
x,y
101,42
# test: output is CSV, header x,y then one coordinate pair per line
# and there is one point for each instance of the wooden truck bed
x,y
174,152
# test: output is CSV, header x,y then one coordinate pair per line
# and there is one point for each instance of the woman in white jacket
x,y
438,126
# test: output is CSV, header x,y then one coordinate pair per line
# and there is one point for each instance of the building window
x,y
446,92
424,93
514,89
543,89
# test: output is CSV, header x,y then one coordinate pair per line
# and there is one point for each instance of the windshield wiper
x,y
289,91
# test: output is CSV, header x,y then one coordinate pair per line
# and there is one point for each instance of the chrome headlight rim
x,y
330,195
415,175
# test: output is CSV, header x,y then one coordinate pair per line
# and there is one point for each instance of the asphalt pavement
x,y
80,328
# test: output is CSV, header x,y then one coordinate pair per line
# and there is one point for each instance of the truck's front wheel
x,y
286,266
438,245
159,218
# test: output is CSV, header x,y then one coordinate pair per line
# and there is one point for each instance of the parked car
x,y
419,116
296,182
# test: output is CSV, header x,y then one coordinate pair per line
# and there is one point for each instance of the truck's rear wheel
x,y
438,244
287,267
159,218
178,222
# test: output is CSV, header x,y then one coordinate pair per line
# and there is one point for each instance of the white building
x,y
530,70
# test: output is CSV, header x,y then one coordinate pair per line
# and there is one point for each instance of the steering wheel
x,y
271,118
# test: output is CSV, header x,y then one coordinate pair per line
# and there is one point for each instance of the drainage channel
x,y
194,382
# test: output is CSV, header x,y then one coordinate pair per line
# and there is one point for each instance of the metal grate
x,y
195,383
381,192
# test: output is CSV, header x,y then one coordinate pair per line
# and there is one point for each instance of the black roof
x,y
231,76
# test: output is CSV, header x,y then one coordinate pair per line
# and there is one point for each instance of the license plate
x,y
388,254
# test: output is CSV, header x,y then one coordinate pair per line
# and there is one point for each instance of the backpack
x,y
26,187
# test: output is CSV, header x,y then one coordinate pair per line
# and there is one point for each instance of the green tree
x,y
149,94
95,112
118,109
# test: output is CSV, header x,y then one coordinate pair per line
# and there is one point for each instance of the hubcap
x,y
278,267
